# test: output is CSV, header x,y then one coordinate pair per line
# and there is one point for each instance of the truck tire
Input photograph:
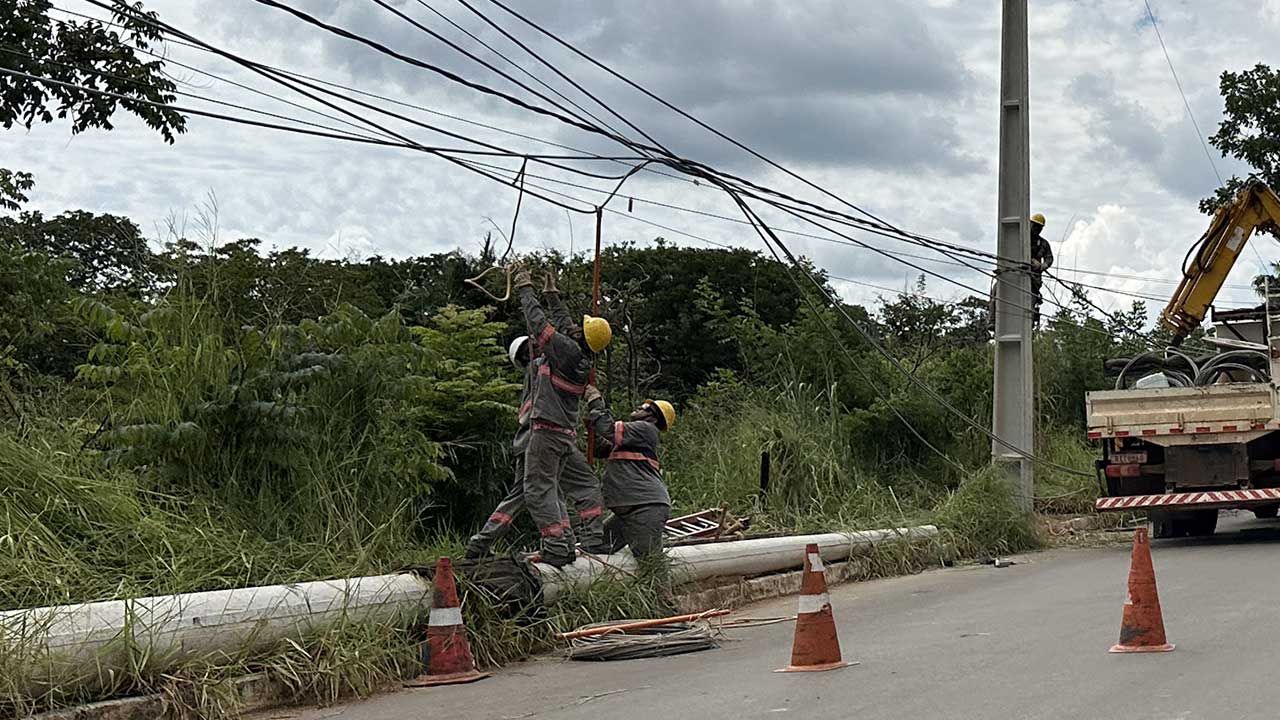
x,y
1163,526
1266,512
1202,523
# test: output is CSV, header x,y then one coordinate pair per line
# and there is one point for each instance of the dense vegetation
x,y
193,415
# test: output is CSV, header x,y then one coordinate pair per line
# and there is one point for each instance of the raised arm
x,y
540,330
560,316
598,417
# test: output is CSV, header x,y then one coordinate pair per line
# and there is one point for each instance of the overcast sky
x,y
893,105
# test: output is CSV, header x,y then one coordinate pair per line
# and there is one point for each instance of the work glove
x,y
549,282
591,394
523,279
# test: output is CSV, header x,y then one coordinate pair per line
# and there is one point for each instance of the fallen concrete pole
x,y
691,563
99,643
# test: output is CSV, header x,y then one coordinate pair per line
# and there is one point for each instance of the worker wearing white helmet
x,y
577,481
567,352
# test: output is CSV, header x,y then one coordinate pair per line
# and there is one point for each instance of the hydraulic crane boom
x,y
1211,258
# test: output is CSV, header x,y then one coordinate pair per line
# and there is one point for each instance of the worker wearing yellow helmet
x,y
559,382
1041,260
632,482
576,480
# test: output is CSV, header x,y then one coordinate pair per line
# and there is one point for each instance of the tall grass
x,y
817,479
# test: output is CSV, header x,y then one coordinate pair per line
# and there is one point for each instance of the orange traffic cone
x,y
816,647
1142,629
448,654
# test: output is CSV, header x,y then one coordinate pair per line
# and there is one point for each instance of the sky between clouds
x,y
893,105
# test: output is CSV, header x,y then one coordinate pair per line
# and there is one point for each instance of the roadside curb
x,y
746,590
252,693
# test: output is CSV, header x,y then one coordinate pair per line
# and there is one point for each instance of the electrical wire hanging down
x,y
676,163
550,142
502,265
771,239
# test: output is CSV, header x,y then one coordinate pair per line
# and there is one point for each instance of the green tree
x,y
108,253
1250,129
82,54
100,69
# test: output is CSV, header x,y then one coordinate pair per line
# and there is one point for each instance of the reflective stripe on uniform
x,y
444,616
591,512
560,383
617,434
525,408
554,428
545,335
634,456
813,603
500,517
556,530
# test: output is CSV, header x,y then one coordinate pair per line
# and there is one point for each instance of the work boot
x,y
476,551
554,560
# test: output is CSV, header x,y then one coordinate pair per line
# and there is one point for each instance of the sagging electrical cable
x,y
267,72
563,76
359,131
447,74
484,63
480,41
772,239
442,152
684,165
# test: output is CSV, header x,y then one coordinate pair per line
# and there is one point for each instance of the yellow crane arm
x,y
1206,267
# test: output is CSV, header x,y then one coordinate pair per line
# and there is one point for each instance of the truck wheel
x,y
1162,526
1266,512
1202,522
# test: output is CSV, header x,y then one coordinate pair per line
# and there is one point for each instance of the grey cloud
x,y
875,93
1120,121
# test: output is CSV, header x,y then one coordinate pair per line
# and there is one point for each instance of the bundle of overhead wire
x,y
1181,370
650,642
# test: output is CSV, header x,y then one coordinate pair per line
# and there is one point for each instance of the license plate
x,y
1128,458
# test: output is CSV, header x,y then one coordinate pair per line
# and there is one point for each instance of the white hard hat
x,y
513,352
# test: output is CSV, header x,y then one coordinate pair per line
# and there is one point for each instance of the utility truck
x,y
1195,428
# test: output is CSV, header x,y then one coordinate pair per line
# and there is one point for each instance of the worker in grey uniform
x,y
559,380
633,486
579,483
1041,260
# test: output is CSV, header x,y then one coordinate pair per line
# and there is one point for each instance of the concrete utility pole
x,y
1013,414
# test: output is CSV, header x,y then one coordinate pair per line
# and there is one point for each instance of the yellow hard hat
x,y
597,332
1038,218
668,412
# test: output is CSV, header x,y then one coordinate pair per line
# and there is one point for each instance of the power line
x,y
202,98
437,151
554,69
1199,134
770,239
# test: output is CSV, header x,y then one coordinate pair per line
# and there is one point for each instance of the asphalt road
x,y
1027,641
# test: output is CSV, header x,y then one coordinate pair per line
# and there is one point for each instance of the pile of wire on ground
x,y
648,642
